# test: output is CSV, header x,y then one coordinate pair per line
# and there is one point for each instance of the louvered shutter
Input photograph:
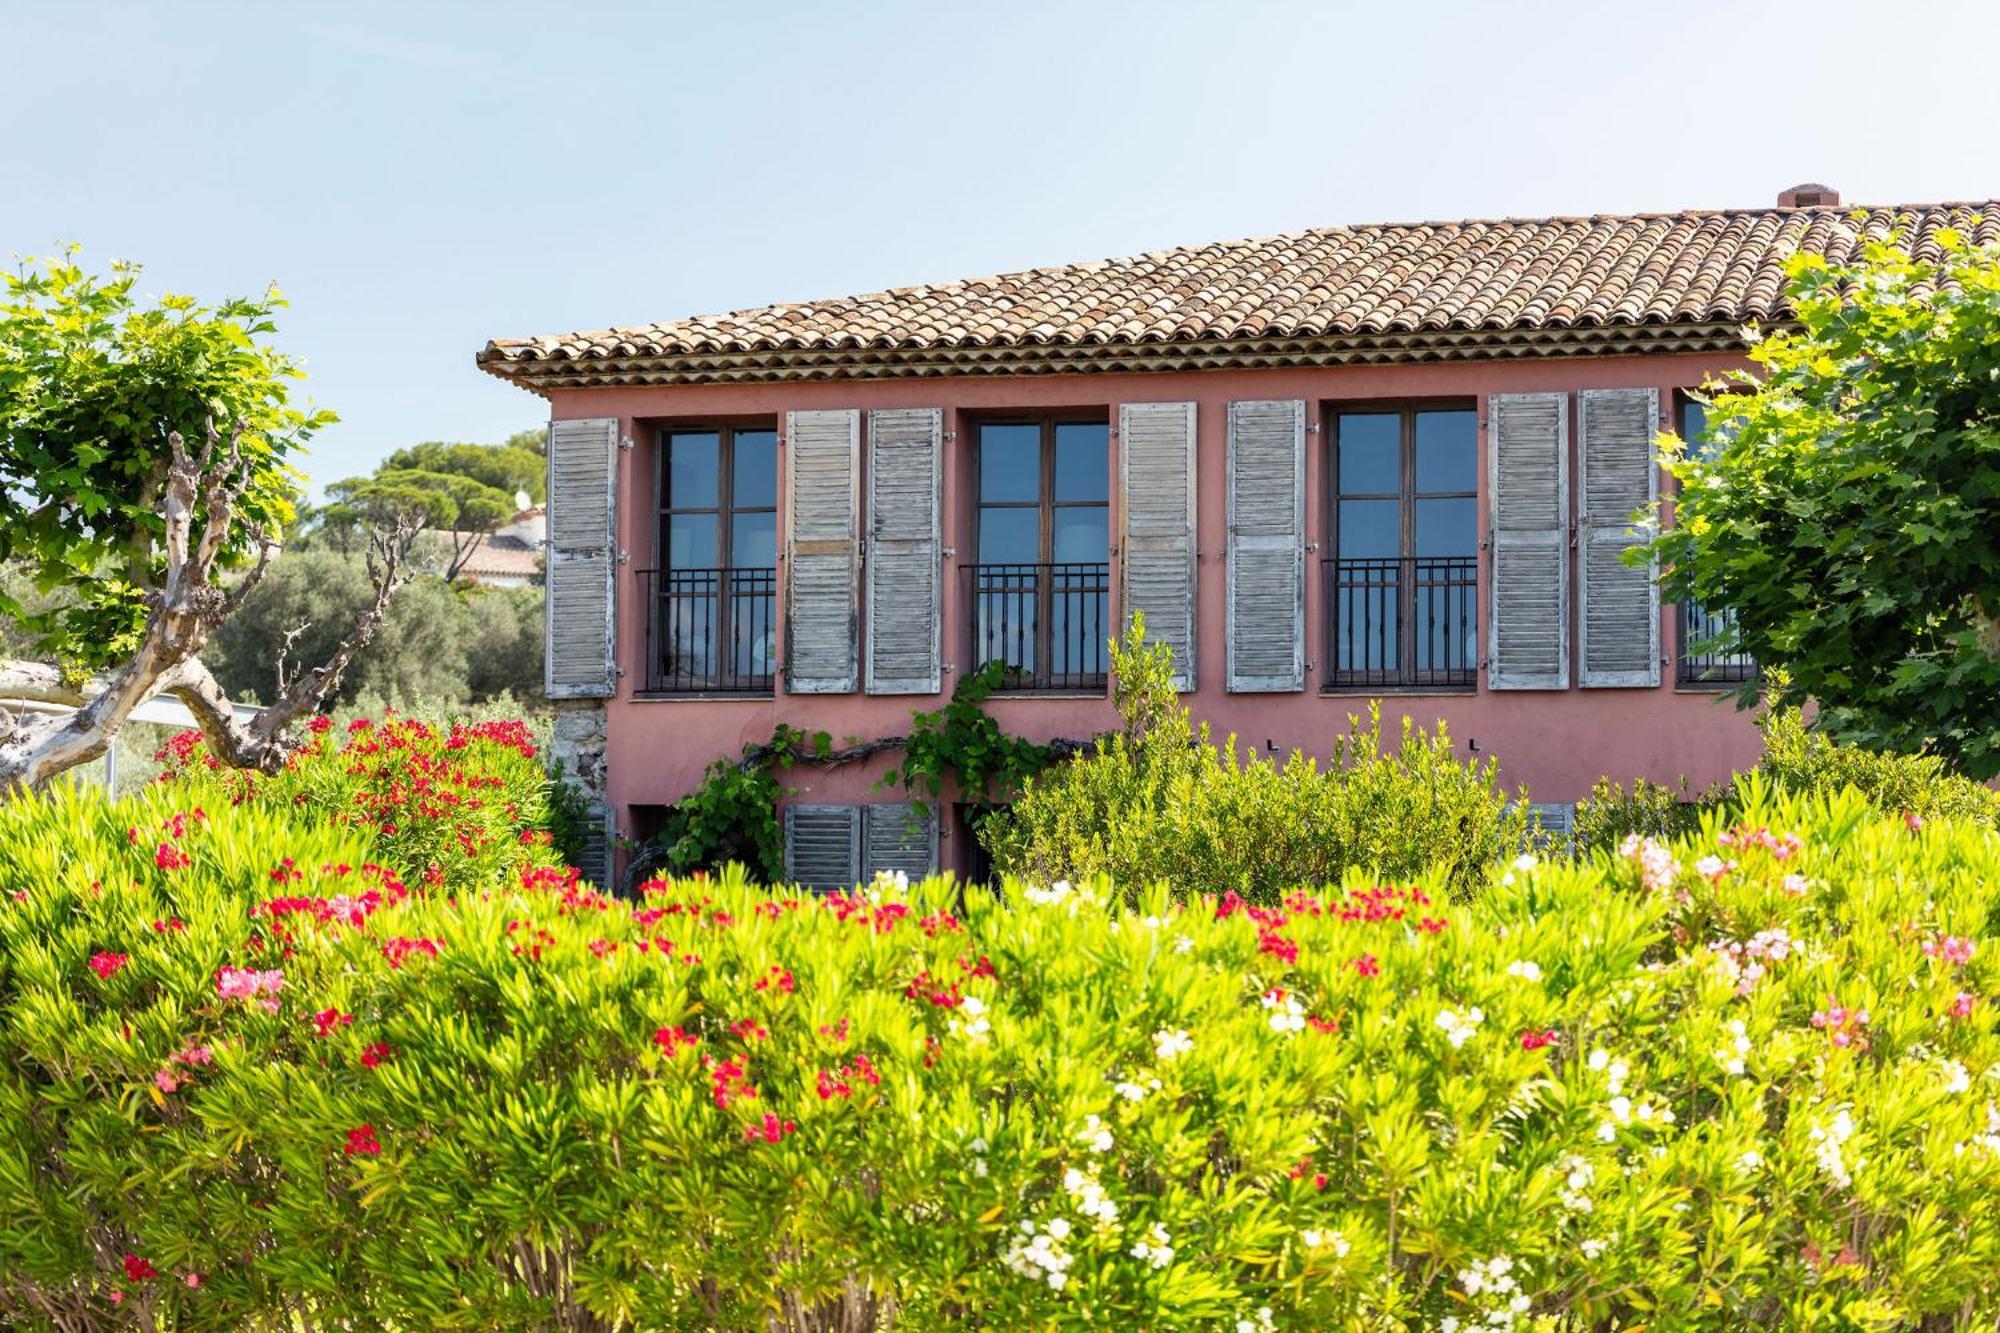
x,y
1528,478
823,846
596,834
1618,605
905,467
1157,549
822,506
899,837
582,524
1267,552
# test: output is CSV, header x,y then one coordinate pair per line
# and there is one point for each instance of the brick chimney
x,y
1809,196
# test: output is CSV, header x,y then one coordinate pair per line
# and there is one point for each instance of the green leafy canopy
x,y
93,379
1850,517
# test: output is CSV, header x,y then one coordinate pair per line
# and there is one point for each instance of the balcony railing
x,y
1402,621
710,631
1696,668
1049,623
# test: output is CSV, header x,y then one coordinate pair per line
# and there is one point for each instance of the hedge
x,y
1746,1078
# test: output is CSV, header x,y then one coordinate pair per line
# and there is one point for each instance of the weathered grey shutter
x,y
596,834
905,467
1527,438
899,837
1157,548
822,507
1618,605
1267,546
582,526
823,846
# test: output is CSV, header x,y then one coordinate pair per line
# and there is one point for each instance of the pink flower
x,y
1961,1007
104,963
771,1130
193,1056
1953,949
1367,966
170,857
243,983
165,1081
192,1279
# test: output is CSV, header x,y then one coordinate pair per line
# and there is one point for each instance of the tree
x,y
1849,519
128,530
506,468
460,507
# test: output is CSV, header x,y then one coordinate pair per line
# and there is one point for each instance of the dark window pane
x,y
1082,533
1446,527
1447,451
1367,631
692,470
1368,528
1009,536
691,541
1694,430
1005,618
1447,621
1370,453
756,469
1010,462
753,541
1083,462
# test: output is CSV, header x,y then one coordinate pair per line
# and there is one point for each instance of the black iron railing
x,y
1049,623
1408,621
709,630
1699,668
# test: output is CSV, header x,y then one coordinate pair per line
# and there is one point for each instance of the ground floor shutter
x,y
823,846
899,836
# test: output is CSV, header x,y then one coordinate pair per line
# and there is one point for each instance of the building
x,y
508,557
1389,462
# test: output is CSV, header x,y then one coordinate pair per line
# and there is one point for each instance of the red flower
x,y
138,1270
1318,1024
170,857
731,1080
673,1040
1367,966
864,1069
771,1130
169,924
104,963
320,725
604,948
779,977
831,1085
399,948
1284,950
361,1142
1532,1040
749,1029
1432,925
375,1054
326,1020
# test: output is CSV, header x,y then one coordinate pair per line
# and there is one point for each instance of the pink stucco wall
x,y
1557,742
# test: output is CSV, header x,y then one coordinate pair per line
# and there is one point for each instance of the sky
x,y
421,176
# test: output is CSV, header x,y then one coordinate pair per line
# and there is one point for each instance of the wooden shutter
x,y
1157,548
1527,438
578,601
1618,605
905,468
899,837
822,506
594,858
823,846
1267,546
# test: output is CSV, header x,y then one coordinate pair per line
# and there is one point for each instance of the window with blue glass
x,y
1401,580
1701,663
1039,582
712,600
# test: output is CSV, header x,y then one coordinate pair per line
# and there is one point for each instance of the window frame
x,y
725,509
1043,679
1731,675
1404,677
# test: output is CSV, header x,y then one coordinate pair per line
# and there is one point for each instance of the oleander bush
x,y
1162,802
252,1077
459,806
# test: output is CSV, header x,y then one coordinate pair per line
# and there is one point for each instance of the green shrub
x,y
460,808
1745,1079
1162,803
1807,761
1610,814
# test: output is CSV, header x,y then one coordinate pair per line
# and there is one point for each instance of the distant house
x,y
508,557
1390,462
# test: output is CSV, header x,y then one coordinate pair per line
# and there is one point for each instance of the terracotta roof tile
x,y
1510,276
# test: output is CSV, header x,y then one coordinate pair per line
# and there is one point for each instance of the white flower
x,y
1287,1016
892,879
1827,1141
1956,1078
1593,1247
1131,1092
1095,1135
1525,861
1578,1177
1525,970
1460,1028
1261,1324
1048,897
1154,1249
1731,1054
1170,1043
1315,1239
1089,1197
973,1005
1750,1161
1059,1228
1182,944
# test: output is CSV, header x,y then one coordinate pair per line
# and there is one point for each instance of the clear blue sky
x,y
421,176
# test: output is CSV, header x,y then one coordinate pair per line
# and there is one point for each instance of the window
x,y
1041,575
1696,667
1402,578
712,602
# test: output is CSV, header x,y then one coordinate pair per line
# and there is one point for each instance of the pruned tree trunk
x,y
199,507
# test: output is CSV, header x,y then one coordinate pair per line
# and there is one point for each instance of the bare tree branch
x,y
204,488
